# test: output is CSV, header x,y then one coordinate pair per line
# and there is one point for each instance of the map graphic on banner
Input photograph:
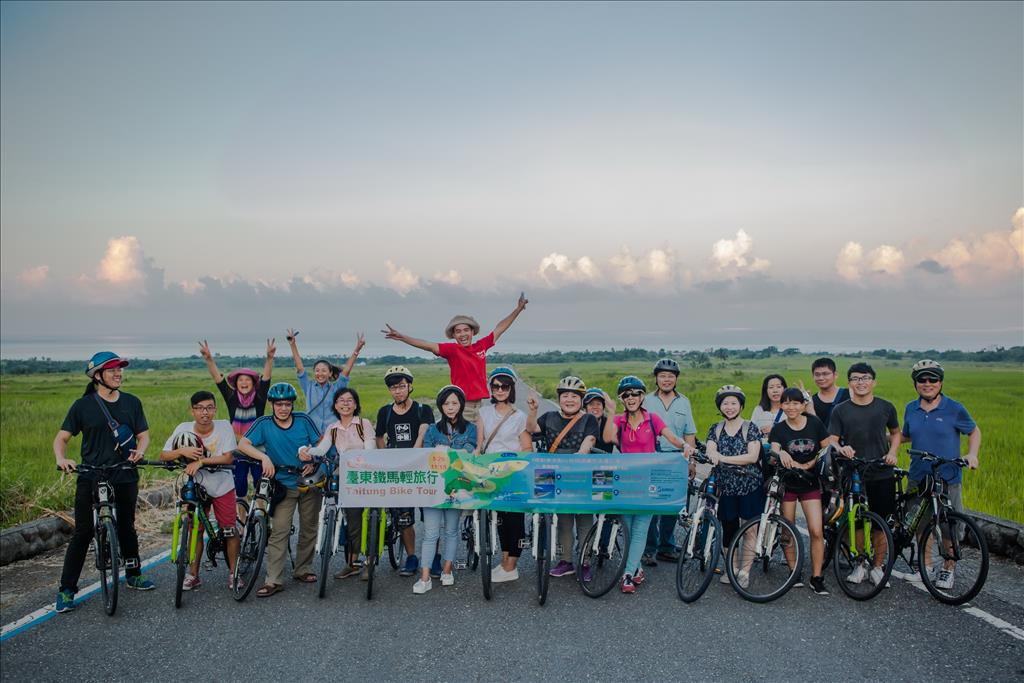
x,y
647,483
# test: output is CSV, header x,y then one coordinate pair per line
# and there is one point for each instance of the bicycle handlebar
x,y
935,461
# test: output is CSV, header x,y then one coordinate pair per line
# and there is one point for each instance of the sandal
x,y
269,589
305,578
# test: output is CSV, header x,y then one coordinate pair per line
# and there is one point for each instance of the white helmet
x,y
573,384
188,440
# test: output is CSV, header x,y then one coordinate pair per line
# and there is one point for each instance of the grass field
x,y
32,408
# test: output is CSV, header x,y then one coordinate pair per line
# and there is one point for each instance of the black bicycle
x,y
700,537
952,552
544,525
602,555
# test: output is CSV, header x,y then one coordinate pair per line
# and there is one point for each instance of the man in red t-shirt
x,y
467,360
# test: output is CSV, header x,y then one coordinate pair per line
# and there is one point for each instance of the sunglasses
x,y
497,386
928,379
632,394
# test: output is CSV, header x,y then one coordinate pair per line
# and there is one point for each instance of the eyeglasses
x,y
205,409
861,379
632,394
500,387
399,386
927,379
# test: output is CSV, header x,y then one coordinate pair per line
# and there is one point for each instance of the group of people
x,y
477,413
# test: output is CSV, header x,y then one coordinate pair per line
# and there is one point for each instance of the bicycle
x,y
700,537
854,554
952,541
469,538
104,528
393,541
372,539
327,539
602,555
767,569
544,547
482,536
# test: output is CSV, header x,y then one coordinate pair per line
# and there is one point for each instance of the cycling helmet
x,y
927,367
188,440
396,373
593,394
502,371
730,390
630,382
103,361
573,384
447,390
316,480
666,365
282,391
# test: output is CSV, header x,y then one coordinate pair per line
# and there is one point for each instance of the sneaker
x,y
743,579
627,584
412,563
346,572
639,577
585,574
858,574
191,582
139,583
798,583
724,578
447,579
668,555
435,567
563,568
944,580
65,601
421,586
500,575
648,560
818,585
876,575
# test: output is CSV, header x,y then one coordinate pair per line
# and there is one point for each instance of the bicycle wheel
x,y
600,567
109,562
181,560
855,567
829,534
250,555
327,541
696,568
486,551
469,536
757,562
396,548
959,542
372,548
543,541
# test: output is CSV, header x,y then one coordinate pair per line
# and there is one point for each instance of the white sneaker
x,y
858,574
500,575
876,575
743,579
447,579
724,578
421,586
945,579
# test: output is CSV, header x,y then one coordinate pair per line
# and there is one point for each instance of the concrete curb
x,y
1004,537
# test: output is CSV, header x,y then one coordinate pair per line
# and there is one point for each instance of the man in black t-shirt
x,y
866,427
99,447
402,424
828,395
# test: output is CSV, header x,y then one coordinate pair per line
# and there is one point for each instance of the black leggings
x,y
729,529
511,530
125,498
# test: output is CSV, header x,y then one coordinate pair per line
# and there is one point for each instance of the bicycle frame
x,y
553,541
493,520
705,495
380,535
855,500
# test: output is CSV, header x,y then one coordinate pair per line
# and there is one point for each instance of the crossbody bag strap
x,y
565,430
111,422
497,427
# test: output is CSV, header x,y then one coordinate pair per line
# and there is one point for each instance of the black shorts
x,y
881,495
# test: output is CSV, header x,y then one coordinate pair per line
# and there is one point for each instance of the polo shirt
x,y
468,365
937,432
678,417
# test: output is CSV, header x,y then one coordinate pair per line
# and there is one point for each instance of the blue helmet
x,y
630,382
282,391
102,361
502,371
593,393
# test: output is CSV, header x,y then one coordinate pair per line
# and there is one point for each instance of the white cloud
x,y
954,255
322,279
33,277
452,277
401,279
886,259
192,286
734,254
123,261
624,268
557,267
849,260
990,255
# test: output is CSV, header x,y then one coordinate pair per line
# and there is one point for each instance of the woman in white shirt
x,y
769,410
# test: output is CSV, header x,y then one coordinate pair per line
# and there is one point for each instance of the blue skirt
x,y
747,506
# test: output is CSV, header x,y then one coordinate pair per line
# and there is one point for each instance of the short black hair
x,y
341,392
201,396
765,402
862,368
823,363
511,391
793,394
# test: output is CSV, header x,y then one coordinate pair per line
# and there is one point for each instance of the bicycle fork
x,y
611,536
492,520
851,526
320,530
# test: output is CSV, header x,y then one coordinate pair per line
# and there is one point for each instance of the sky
x,y
788,173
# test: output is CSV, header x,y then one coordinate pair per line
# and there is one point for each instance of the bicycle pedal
x,y
461,564
525,543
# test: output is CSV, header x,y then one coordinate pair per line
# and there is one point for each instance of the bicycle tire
x,y
372,548
109,562
606,564
181,559
327,541
250,555
695,571
543,557
396,547
972,560
828,533
845,559
486,552
768,575
472,559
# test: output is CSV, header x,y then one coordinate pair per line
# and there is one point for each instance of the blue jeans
x,y
432,519
638,525
660,535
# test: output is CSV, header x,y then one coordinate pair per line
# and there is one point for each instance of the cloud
x,y
733,254
849,260
34,277
401,279
932,266
991,255
452,277
624,268
556,268
123,261
886,259
322,279
124,276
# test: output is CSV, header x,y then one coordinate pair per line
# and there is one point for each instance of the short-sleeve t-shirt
x,y
938,432
642,439
460,441
552,423
86,417
507,438
402,430
222,440
866,428
242,417
320,398
802,445
605,446
678,415
282,445
731,482
468,365
824,410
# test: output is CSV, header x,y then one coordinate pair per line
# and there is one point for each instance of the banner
x,y
645,483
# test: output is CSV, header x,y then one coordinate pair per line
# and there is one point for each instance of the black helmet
x,y
666,365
